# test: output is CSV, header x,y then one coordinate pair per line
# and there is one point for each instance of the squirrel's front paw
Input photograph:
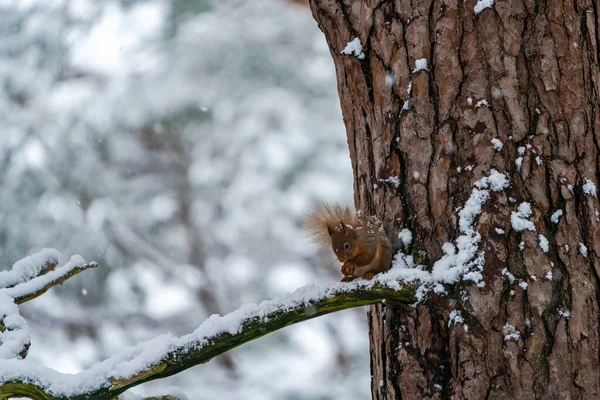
x,y
368,276
347,279
347,269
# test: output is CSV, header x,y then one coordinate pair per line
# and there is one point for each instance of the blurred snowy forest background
x,y
178,144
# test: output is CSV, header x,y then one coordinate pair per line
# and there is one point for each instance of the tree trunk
x,y
521,74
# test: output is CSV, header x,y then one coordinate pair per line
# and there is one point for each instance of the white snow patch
x,y
509,275
499,231
406,236
462,259
519,163
523,285
556,216
518,219
482,5
510,333
583,250
543,243
439,289
497,144
549,276
354,48
538,160
467,263
455,317
589,188
566,314
406,104
482,103
394,180
420,64
495,181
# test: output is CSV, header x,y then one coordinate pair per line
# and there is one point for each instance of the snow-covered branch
x,y
29,267
28,279
167,355
37,286
15,335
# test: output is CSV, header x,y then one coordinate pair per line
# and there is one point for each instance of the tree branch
x,y
39,285
16,338
29,267
29,278
168,355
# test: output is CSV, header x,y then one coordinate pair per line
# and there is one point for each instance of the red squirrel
x,y
359,242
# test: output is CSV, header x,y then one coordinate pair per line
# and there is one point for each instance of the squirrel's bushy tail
x,y
323,216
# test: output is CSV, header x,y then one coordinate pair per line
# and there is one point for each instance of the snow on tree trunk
x,y
436,94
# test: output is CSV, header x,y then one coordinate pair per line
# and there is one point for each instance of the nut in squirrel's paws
x,y
347,269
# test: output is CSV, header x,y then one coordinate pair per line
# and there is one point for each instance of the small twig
x,y
29,267
39,285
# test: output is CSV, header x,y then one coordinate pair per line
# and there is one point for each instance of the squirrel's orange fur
x,y
359,242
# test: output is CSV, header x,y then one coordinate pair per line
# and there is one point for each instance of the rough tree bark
x,y
536,65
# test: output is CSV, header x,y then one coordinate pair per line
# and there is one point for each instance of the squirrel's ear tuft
x,y
330,230
348,230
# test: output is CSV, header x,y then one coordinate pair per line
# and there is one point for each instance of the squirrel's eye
x,y
346,246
